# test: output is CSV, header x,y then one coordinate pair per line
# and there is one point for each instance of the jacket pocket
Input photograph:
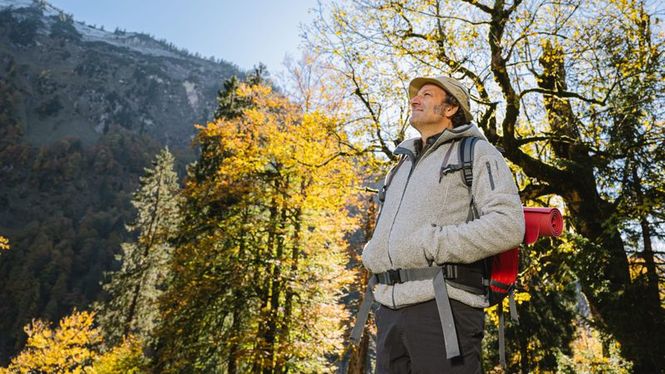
x,y
428,253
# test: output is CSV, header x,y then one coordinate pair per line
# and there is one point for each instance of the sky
x,y
243,32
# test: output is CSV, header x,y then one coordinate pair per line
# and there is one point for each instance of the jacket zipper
x,y
489,172
414,162
408,178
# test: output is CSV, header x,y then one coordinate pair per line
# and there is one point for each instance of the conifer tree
x,y
133,289
229,104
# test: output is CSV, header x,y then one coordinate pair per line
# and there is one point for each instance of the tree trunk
x,y
625,309
274,365
358,360
236,312
148,241
289,293
261,345
649,261
358,356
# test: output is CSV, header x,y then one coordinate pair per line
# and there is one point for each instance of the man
x,y
425,223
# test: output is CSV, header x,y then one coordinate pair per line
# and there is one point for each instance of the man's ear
x,y
450,110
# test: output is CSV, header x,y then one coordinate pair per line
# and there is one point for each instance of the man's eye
x,y
427,94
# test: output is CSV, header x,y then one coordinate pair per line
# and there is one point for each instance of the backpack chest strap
x,y
468,277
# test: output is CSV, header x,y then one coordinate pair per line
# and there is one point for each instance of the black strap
x,y
466,150
468,277
502,336
513,307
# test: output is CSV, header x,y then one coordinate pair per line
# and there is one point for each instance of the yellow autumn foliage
x,y
4,243
73,347
284,182
70,348
126,358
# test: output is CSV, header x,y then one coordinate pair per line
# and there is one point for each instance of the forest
x,y
249,261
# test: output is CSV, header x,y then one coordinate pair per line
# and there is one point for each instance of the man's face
x,y
428,109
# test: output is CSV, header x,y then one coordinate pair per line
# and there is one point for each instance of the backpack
x,y
499,271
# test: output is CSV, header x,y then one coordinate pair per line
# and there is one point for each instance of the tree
x,y
259,264
134,289
68,349
572,91
229,104
74,347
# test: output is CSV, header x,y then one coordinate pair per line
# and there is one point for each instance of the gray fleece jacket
x,y
423,219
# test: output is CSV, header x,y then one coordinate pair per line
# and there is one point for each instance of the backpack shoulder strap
x,y
389,178
466,149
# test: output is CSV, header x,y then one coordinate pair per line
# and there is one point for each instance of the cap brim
x,y
417,83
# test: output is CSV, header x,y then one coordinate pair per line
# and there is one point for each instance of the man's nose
x,y
415,100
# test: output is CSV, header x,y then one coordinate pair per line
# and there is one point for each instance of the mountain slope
x,y
76,80
82,112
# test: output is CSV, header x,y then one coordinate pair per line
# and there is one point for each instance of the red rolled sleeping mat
x,y
539,222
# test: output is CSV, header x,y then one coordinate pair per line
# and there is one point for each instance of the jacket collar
x,y
409,146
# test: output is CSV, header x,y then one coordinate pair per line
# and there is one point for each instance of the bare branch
x,y
559,93
480,6
534,191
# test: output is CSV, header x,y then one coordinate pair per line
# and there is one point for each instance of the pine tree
x,y
134,289
230,105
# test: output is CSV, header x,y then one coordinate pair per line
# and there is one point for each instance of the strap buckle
x,y
450,168
449,271
389,277
445,170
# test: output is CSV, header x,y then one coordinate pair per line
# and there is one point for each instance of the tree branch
x,y
480,6
560,93
534,191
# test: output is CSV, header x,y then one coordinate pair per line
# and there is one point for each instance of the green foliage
x,y
229,104
547,306
64,202
65,210
134,289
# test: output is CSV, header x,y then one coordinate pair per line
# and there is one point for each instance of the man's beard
x,y
440,109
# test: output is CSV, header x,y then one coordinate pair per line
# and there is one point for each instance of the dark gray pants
x,y
410,339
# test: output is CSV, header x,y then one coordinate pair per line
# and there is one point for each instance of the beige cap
x,y
451,85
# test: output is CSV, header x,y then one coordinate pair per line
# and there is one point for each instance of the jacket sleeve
x,y
500,225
